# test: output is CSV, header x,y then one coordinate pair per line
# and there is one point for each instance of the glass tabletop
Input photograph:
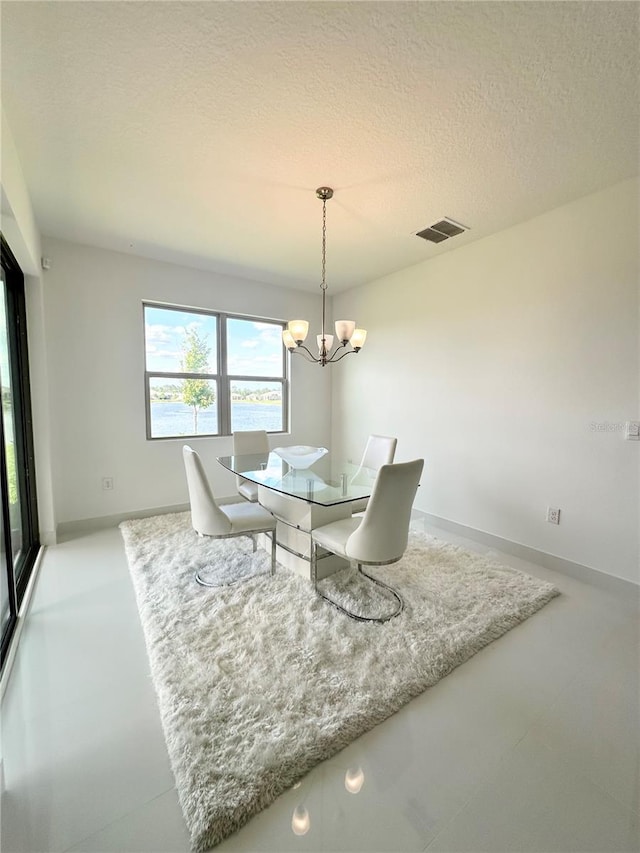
x,y
329,481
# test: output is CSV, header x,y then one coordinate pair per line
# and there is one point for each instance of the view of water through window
x,y
173,419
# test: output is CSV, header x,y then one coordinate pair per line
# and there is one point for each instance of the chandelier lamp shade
x,y
346,334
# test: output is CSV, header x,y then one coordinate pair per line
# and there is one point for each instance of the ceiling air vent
x,y
442,230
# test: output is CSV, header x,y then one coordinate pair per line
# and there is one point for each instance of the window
x,y
212,374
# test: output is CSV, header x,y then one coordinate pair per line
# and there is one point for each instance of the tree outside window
x,y
196,393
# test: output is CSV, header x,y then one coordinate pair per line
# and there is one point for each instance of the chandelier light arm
x,y
333,358
306,354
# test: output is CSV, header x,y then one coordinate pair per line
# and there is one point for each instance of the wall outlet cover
x,y
632,431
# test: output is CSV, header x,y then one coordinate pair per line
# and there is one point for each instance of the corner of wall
x,y
18,221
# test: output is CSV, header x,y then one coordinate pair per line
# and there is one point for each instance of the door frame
x,y
24,446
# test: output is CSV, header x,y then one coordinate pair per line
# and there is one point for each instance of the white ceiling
x,y
197,132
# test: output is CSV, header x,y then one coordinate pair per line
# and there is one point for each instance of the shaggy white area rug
x,y
260,680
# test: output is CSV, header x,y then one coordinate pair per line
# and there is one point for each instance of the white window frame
x,y
222,378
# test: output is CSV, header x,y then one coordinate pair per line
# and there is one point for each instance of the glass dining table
x,y
302,499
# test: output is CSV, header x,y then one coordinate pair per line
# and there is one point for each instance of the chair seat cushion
x,y
248,516
248,490
334,536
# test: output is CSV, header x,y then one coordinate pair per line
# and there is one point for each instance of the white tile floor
x,y
532,745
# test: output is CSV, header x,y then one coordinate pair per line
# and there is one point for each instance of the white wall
x,y
493,362
93,316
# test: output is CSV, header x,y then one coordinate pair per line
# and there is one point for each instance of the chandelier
x,y
296,332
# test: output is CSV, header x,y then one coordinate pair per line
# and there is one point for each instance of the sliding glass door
x,y
18,517
7,603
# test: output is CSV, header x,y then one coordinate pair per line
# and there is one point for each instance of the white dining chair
x,y
223,522
380,450
378,537
254,441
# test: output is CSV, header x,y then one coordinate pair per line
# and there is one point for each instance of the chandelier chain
x,y
323,286
324,244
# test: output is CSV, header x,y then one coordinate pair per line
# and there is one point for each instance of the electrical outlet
x,y
553,515
107,484
632,431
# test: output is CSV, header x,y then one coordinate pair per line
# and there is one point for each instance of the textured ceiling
x,y
197,132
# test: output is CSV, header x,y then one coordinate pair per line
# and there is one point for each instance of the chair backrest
x,y
206,516
384,531
250,441
379,451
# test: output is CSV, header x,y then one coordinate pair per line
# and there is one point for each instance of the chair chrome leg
x,y
206,583
273,552
386,586
253,536
398,610
314,565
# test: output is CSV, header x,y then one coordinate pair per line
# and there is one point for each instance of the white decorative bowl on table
x,y
300,456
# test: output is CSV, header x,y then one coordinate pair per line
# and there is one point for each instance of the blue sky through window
x,y
165,334
254,348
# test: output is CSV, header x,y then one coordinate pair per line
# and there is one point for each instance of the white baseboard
x,y
67,529
48,537
603,580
